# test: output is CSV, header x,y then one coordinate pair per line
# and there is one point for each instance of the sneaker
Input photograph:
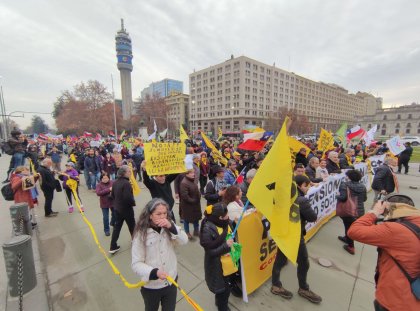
x,y
342,239
195,233
282,292
51,215
54,213
310,295
113,251
71,209
235,290
107,233
189,236
349,249
82,209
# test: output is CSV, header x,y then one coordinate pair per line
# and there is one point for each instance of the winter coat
x,y
55,156
311,173
383,179
406,154
189,200
20,195
72,174
212,265
234,210
211,194
109,166
343,162
104,193
307,214
393,290
91,165
300,158
117,158
204,168
358,190
162,191
17,145
244,188
196,173
122,195
157,252
333,167
47,179
230,177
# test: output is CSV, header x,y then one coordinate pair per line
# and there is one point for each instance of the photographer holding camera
x,y
398,241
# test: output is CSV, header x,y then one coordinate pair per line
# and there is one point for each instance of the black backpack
x,y
7,148
7,192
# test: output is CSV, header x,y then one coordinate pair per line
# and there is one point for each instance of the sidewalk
x,y
80,279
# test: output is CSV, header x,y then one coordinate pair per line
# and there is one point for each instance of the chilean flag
x,y
87,134
255,141
355,132
240,179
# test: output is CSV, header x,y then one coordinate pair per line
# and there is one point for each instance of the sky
x,y
49,46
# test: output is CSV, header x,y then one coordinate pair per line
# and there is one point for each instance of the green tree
x,y
38,125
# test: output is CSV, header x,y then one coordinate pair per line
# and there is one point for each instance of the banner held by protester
x,y
164,158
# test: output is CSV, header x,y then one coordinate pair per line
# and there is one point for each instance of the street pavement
x,y
78,277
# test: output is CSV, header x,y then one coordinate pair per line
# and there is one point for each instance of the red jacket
x,y
20,195
104,193
393,289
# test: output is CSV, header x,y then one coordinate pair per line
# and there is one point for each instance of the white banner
x,y
376,161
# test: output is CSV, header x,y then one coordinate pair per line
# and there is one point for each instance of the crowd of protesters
x,y
107,169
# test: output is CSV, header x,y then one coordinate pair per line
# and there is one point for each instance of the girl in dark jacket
x,y
358,190
103,191
213,232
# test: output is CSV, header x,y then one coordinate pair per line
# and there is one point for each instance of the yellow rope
x,y
188,298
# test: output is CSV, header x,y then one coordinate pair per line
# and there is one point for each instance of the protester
x,y
55,155
122,195
189,203
196,168
160,187
71,173
232,199
310,170
92,168
301,157
333,166
48,184
245,185
17,143
231,173
153,255
384,179
398,250
215,188
204,171
23,186
357,191
108,166
345,159
299,170
103,191
307,214
404,158
321,170
214,229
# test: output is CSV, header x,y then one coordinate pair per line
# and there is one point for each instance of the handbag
x,y
58,187
228,266
347,208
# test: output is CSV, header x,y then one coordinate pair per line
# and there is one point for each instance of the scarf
x,y
220,184
399,210
204,161
221,223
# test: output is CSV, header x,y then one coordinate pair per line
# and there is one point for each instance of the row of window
x,y
409,116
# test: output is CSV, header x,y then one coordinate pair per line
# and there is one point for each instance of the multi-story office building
x,y
242,91
163,88
177,110
403,120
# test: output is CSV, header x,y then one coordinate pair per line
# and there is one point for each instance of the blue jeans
x,y
86,174
187,226
91,181
18,159
112,176
105,214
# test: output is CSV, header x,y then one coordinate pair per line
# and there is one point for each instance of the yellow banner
x,y
164,158
182,134
214,152
258,252
325,141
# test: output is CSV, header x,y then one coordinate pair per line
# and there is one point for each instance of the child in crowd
x,y
103,190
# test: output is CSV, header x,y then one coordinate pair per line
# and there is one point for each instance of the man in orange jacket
x,y
394,241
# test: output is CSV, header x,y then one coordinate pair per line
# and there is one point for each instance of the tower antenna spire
x,y
122,24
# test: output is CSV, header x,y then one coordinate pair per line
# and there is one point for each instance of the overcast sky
x,y
51,45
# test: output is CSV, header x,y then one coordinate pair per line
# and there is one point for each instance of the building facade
x,y
163,88
242,91
177,110
125,66
403,121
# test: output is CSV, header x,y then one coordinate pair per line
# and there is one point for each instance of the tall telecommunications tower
x,y
124,56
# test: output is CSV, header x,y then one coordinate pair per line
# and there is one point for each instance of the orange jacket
x,y
393,289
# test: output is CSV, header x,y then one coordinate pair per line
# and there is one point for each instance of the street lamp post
x,y
3,112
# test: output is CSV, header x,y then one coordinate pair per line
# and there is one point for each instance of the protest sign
x,y
395,145
325,141
164,158
375,161
258,253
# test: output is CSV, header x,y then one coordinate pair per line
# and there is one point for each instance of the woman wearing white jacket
x,y
153,255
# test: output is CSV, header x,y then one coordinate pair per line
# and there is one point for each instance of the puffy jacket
x,y
333,167
157,251
20,195
311,173
104,194
344,164
211,194
91,164
383,179
122,194
230,177
393,290
300,158
358,190
47,178
72,174
212,264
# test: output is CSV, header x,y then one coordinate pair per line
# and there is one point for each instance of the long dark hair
x,y
144,221
230,194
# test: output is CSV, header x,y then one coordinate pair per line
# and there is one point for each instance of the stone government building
x,y
403,121
242,91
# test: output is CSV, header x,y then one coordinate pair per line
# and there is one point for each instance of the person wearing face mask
x,y
214,229
153,255
160,187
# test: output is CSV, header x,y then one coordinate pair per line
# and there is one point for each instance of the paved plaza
x,y
73,275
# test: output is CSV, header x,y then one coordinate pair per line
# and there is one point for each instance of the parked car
x,y
414,140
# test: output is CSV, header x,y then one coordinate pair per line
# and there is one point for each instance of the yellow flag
x,y
182,134
325,141
122,135
296,145
215,153
273,193
133,181
219,133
